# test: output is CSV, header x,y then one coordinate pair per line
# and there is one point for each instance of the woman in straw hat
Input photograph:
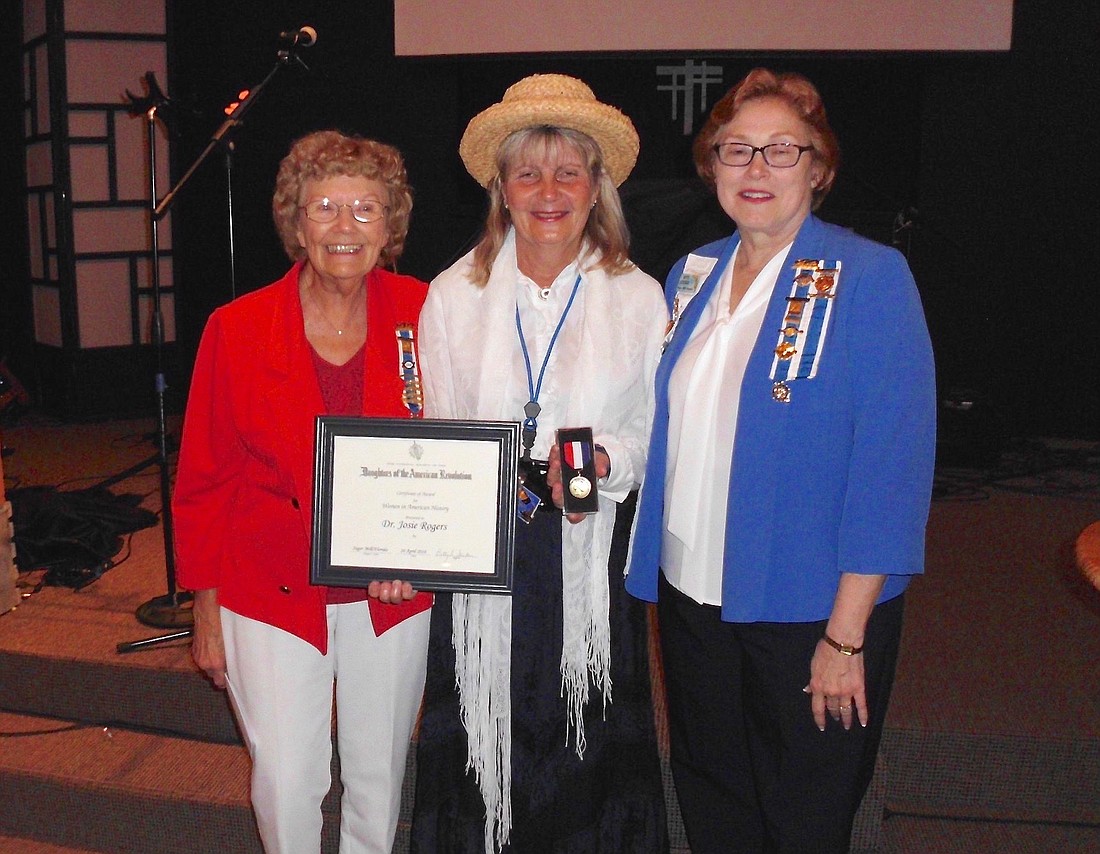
x,y
537,731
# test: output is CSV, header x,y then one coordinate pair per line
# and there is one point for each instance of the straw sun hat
x,y
558,101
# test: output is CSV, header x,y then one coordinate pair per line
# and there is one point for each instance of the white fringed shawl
x,y
468,347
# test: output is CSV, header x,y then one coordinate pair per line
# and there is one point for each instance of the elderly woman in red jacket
x,y
321,340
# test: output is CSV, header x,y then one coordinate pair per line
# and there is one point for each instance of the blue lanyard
x,y
532,409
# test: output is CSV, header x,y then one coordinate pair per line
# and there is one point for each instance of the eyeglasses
x,y
778,155
326,210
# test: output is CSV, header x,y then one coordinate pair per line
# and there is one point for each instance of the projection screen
x,y
551,26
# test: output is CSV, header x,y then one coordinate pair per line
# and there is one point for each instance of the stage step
x,y
916,835
182,703
20,845
118,790
115,789
985,777
78,675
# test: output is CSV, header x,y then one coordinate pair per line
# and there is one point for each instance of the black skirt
x,y
612,800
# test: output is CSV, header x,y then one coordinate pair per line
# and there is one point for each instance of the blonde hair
x,y
330,154
605,230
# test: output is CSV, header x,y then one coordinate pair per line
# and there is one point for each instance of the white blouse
x,y
704,396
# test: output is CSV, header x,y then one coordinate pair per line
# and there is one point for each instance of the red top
x,y
243,500
342,391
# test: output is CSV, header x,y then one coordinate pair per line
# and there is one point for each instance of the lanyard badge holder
x,y
533,472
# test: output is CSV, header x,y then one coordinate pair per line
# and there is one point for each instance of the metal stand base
x,y
166,612
162,612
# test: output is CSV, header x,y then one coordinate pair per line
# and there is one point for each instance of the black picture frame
x,y
431,502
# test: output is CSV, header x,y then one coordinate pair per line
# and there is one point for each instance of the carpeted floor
x,y
993,737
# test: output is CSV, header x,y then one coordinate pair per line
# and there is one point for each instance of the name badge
x,y
696,270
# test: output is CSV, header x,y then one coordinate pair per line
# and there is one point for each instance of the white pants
x,y
281,691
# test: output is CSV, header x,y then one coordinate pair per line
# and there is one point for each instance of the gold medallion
x,y
579,487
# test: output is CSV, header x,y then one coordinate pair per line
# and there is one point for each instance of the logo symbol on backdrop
x,y
685,81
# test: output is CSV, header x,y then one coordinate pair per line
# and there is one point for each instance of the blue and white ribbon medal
x,y
412,395
805,324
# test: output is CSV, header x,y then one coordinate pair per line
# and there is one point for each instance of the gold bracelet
x,y
842,648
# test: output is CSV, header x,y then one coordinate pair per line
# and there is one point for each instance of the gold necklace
x,y
350,315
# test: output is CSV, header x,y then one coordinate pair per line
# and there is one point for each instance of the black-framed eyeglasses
x,y
778,155
326,210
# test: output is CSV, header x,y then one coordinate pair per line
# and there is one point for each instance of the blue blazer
x,y
837,480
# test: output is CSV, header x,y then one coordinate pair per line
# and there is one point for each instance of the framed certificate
x,y
428,502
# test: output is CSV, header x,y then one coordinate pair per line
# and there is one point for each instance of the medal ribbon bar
x,y
802,336
413,394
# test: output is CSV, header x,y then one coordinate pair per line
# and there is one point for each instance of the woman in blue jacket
x,y
787,488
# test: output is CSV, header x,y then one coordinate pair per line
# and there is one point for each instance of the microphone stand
x,y
907,221
168,611
230,233
173,610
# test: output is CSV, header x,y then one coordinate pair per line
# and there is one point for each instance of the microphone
x,y
302,37
905,220
154,97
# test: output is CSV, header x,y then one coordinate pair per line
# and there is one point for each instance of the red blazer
x,y
243,500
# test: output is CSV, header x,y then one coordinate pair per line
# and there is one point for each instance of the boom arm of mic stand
x,y
220,134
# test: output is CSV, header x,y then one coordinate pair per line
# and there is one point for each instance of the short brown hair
x,y
329,154
796,92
